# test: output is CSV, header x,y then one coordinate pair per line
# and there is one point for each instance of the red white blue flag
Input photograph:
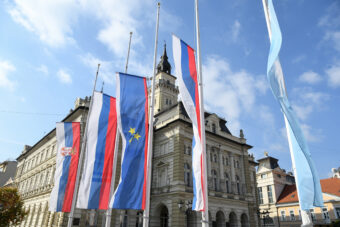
x,y
68,143
184,58
133,124
95,185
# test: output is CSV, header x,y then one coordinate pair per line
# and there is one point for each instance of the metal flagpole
x,y
205,212
128,55
82,152
146,215
109,210
305,215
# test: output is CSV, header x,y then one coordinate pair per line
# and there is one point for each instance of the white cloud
x,y
107,72
51,20
310,77
311,134
43,69
334,36
333,74
237,91
307,101
64,77
236,30
5,68
331,24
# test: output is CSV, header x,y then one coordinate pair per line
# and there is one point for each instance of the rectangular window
x,y
270,193
292,215
325,214
337,211
312,214
283,215
263,176
260,195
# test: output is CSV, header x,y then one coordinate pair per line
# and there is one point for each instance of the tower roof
x,y
164,65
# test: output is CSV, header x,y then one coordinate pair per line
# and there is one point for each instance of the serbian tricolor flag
x,y
95,184
68,143
132,115
184,58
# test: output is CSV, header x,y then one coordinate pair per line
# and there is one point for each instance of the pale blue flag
x,y
307,180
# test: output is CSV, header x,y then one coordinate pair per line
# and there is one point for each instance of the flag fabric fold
x,y
95,184
184,58
68,143
307,180
132,115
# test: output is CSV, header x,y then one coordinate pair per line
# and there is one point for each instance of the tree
x,y
11,207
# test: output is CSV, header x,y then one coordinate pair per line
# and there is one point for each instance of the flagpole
x,y
146,216
82,151
128,55
109,210
113,179
205,212
305,215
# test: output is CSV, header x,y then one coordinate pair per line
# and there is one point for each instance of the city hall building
x,y
231,170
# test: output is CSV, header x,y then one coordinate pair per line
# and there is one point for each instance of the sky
x,y
49,51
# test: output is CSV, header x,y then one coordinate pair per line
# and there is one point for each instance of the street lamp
x,y
264,215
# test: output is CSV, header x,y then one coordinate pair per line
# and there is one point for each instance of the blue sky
x,y
50,51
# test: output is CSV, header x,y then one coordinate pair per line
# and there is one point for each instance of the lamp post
x,y
264,215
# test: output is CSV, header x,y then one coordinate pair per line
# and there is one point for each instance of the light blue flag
x,y
307,180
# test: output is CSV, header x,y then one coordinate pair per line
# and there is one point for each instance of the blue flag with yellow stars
x,y
132,118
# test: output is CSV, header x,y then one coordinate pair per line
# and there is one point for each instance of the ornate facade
x,y
231,171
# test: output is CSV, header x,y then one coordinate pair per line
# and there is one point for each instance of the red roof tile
x,y
329,185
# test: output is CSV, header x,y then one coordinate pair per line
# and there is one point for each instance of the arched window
x,y
238,184
164,217
226,176
187,174
215,157
213,127
139,219
214,175
188,150
124,222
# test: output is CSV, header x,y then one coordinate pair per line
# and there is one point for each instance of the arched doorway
x,y
191,218
164,216
220,220
232,220
244,220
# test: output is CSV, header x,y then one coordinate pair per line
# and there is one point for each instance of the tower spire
x,y
164,65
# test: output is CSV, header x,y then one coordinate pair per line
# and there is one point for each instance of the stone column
x,y
232,168
208,160
50,219
220,163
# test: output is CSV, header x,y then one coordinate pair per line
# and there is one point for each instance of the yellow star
x,y
137,136
132,131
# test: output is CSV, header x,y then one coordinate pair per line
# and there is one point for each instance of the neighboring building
x,y
289,210
336,172
7,172
271,180
231,171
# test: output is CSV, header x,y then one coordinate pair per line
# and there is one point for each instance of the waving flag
x,y
184,58
132,115
307,180
95,184
68,142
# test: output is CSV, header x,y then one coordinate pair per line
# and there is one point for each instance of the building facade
x,y
289,211
231,171
7,172
271,180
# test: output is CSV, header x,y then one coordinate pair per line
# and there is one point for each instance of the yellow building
x,y
288,206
